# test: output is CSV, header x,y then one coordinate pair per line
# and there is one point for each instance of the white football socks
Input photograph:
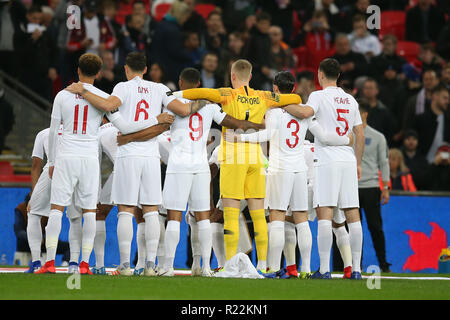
x,y
75,236
99,243
205,240
304,245
124,236
152,233
218,243
356,241
87,242
290,242
276,244
195,243
162,232
324,243
343,244
171,242
52,231
141,249
34,235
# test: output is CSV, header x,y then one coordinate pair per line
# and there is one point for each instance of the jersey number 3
x,y
198,129
75,120
293,133
342,119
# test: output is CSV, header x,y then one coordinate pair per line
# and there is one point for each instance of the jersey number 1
x,y
198,129
75,120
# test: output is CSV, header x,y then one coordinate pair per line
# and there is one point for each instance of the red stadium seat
x,y
161,10
6,168
204,9
393,22
408,49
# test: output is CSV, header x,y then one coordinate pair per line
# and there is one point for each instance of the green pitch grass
x,y
48,286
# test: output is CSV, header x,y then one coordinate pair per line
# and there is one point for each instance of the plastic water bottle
x,y
3,260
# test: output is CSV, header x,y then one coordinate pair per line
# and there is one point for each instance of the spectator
x,y
6,119
363,41
214,37
424,22
318,39
400,178
433,126
110,75
20,230
430,60
387,59
235,13
125,9
192,46
379,118
140,10
305,84
257,52
445,76
156,74
232,52
280,51
12,14
281,12
132,38
419,103
414,160
109,15
359,8
353,64
374,161
37,54
209,77
167,43
195,22
440,170
443,42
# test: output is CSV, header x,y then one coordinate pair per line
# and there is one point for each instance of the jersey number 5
x,y
198,129
293,133
340,118
75,120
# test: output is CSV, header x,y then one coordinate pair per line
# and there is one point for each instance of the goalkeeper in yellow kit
x,y
242,174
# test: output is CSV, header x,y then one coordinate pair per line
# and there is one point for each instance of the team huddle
x,y
143,123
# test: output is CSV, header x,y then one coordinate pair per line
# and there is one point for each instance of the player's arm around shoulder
x,y
105,104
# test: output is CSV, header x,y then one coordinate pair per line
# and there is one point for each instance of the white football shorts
x,y
286,189
336,185
136,180
105,193
183,188
76,176
40,198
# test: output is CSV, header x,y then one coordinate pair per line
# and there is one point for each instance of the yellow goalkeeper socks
x,y
261,235
231,231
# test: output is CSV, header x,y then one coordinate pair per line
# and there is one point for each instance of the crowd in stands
x,y
401,69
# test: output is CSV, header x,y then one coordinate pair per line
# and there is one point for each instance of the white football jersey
x,y
309,160
335,110
189,136
108,140
287,135
141,101
40,148
81,122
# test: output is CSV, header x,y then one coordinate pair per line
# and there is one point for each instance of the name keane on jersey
x,y
249,100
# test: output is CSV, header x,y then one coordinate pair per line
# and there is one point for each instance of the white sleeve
x,y
313,101
125,127
54,127
167,96
38,148
218,114
266,134
120,91
327,138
